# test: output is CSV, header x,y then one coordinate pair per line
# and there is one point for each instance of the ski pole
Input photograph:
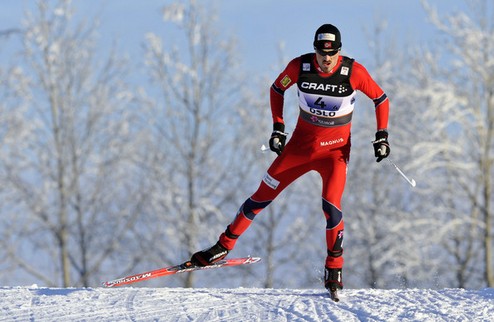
x,y
410,181
264,148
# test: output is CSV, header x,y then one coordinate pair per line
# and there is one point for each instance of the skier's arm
x,y
277,98
286,79
362,81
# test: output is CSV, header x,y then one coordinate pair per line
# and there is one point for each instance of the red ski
x,y
181,268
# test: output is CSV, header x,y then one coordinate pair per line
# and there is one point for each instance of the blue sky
x,y
259,25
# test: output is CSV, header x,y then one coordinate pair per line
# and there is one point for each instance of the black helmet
x,y
327,37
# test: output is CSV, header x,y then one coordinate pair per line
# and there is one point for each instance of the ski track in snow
x,y
242,304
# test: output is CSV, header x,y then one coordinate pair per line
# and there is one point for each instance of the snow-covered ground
x,y
242,304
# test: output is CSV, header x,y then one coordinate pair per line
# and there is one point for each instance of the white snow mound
x,y
242,304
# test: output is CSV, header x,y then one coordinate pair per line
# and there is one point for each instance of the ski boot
x,y
333,282
209,256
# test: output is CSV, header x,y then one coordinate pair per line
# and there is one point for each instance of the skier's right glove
x,y
381,145
278,138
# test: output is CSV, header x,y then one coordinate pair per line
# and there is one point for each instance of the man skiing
x,y
326,84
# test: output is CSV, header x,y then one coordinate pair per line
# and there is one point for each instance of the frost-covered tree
x,y
381,246
459,151
66,153
196,130
440,131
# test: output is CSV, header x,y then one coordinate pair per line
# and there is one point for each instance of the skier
x,y
326,84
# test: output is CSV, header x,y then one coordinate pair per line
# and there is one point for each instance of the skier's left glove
x,y
381,145
278,138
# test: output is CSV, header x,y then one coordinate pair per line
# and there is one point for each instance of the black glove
x,y
278,138
381,145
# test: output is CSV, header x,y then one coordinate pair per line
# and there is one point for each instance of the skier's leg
x,y
333,172
334,235
284,170
245,215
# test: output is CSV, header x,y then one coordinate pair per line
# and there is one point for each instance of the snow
x,y
34,303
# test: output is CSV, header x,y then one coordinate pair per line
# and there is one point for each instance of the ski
x,y
181,268
333,293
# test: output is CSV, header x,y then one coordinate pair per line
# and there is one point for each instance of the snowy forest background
x,y
102,177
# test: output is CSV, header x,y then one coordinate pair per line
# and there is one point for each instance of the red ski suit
x,y
320,141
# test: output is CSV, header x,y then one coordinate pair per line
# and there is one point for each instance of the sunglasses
x,y
327,52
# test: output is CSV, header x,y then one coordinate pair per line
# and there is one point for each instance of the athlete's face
x,y
327,61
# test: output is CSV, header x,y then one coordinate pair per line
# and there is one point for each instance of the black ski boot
x,y
333,282
209,256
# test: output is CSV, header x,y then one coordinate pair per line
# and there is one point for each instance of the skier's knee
x,y
333,214
251,208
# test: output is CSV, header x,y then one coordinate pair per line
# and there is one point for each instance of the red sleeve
x,y
286,79
362,81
